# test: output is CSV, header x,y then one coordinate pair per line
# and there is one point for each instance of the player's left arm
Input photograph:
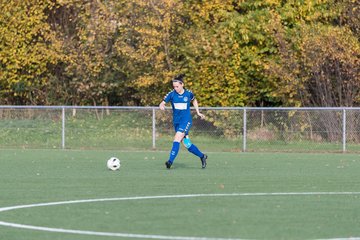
x,y
196,106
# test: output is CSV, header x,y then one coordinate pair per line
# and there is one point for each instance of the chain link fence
x,y
148,128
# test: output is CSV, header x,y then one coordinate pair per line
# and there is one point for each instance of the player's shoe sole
x,y
168,165
203,161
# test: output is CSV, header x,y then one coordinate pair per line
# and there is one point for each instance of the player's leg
x,y
193,148
175,147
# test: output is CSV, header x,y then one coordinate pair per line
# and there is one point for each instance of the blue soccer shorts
x,y
183,127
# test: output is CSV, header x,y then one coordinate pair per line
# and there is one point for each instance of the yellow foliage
x,y
234,52
24,50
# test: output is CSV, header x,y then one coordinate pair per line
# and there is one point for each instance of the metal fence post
x,y
63,129
344,131
244,130
153,129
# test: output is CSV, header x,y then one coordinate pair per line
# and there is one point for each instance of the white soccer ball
x,y
113,163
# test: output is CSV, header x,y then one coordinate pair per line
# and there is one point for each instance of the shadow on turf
x,y
185,166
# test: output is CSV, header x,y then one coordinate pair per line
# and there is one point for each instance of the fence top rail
x,y
71,107
156,107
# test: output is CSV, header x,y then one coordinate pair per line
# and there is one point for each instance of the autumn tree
x,y
318,63
226,50
149,36
87,31
27,50
234,53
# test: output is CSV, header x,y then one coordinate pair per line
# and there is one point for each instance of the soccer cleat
x,y
203,161
168,164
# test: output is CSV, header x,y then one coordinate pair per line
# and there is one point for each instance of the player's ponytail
x,y
179,78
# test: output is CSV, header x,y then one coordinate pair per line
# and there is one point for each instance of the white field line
x,y
144,236
108,234
349,238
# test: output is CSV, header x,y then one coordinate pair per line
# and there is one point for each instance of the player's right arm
x,y
167,98
162,105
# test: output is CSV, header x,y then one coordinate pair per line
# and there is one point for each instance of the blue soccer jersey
x,y
180,105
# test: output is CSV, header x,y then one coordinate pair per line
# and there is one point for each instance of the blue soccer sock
x,y
194,150
174,151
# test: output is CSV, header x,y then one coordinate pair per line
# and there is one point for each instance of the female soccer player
x,y
180,99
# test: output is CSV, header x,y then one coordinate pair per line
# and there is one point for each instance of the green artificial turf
x,y
41,176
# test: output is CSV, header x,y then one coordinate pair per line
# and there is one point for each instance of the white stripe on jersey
x,y
168,94
180,106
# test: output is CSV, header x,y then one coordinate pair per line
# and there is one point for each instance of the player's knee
x,y
187,143
178,136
